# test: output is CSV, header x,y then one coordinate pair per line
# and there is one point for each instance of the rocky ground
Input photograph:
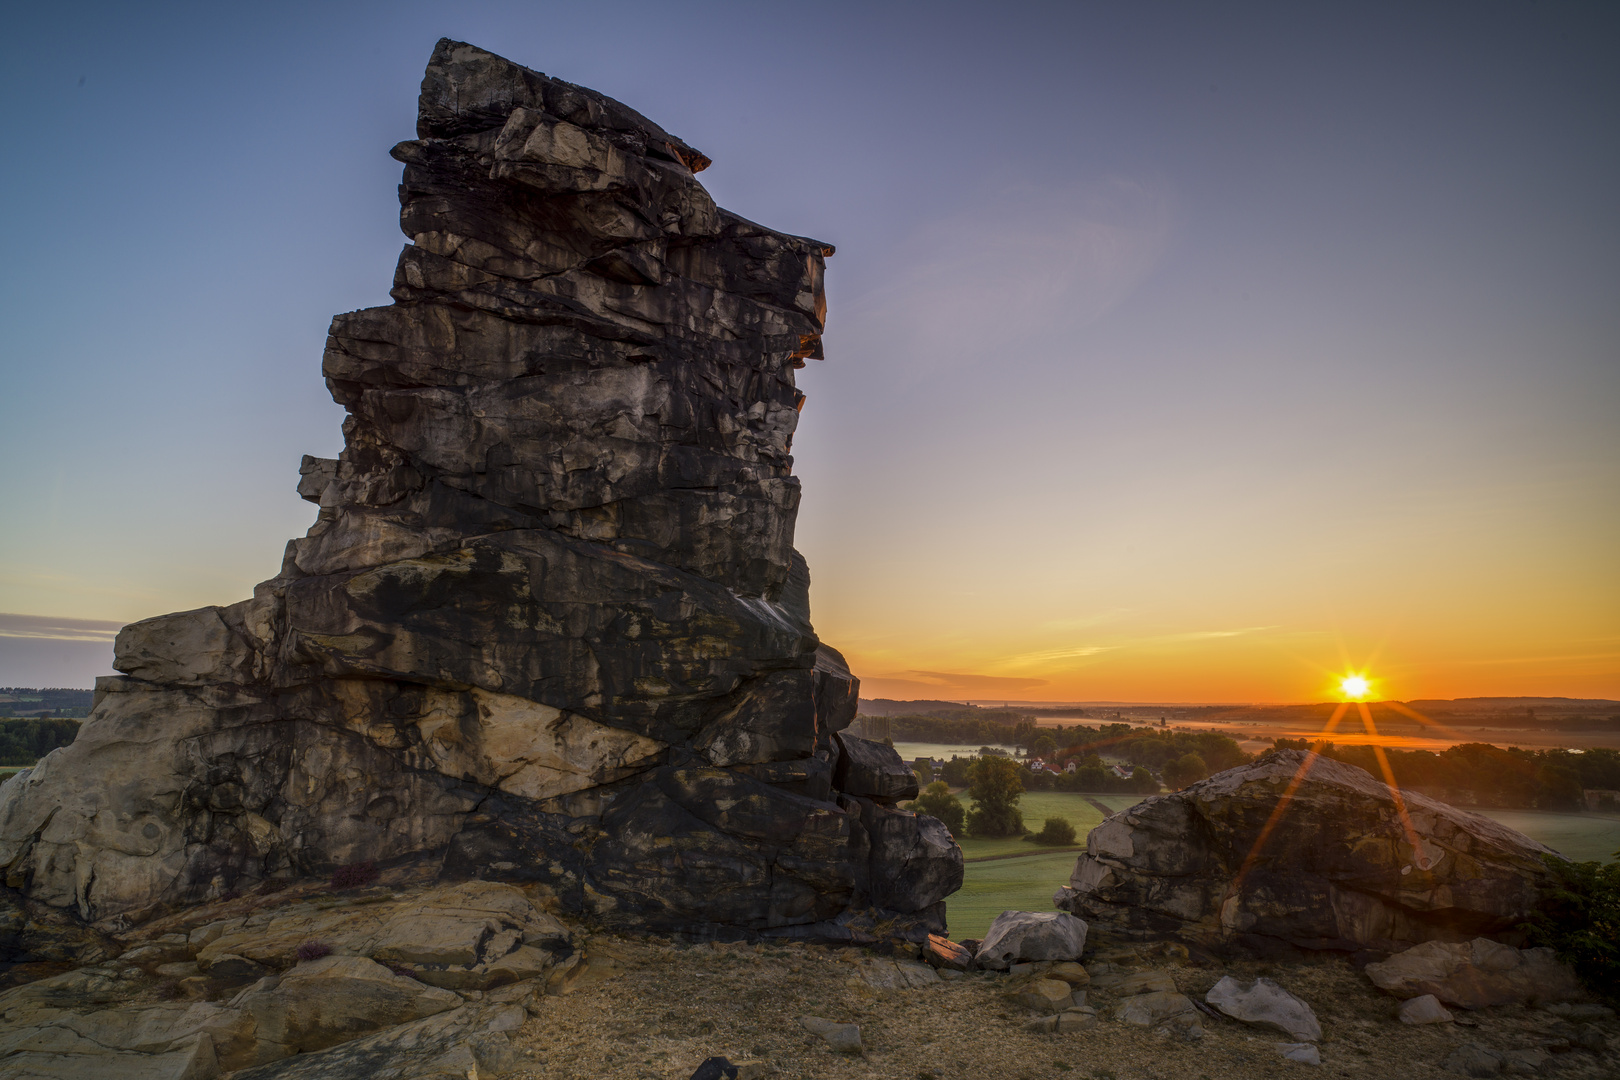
x,y
478,980
671,1006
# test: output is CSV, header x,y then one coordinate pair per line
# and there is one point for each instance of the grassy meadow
x,y
1578,837
1027,882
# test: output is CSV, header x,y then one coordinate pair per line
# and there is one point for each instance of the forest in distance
x,y
1467,774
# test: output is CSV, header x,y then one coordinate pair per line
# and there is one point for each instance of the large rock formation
x,y
550,626
1237,861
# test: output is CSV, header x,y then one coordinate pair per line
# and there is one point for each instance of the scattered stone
x,y
1137,982
1302,1052
1476,974
1043,995
898,975
1425,1010
1070,972
1031,935
1167,867
1524,1062
1264,1002
1070,1021
843,1038
1472,1059
1591,1037
1571,1010
942,952
1157,1007
583,971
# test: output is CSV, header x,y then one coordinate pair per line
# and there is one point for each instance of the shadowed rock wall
x,y
550,625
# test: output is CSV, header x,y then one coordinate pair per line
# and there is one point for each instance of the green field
x,y
1021,884
1006,885
1580,837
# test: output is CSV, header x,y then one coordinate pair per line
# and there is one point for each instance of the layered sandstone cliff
x,y
550,626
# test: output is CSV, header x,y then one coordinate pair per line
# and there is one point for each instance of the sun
x,y
1354,687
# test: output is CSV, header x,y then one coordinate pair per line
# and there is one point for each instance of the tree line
x,y
1479,774
25,741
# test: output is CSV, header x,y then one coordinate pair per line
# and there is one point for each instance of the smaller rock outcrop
x,y
1300,850
1476,974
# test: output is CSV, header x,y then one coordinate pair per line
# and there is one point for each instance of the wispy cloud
x,y
949,684
54,628
1075,652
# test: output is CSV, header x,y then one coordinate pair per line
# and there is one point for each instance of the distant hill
x,y
891,707
54,700
1556,713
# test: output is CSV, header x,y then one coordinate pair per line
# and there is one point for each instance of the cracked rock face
x,y
550,626
1340,867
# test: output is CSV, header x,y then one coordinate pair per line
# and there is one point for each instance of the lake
x,y
910,751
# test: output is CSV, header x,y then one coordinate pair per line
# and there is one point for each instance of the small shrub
x,y
1580,917
355,875
169,990
1057,832
313,950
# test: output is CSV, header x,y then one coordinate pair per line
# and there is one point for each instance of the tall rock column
x,y
549,625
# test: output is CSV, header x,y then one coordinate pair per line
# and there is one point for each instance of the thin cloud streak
x,y
53,628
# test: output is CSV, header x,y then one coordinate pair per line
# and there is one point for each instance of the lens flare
x,y
1354,687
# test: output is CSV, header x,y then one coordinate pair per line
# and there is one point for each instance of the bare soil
x,y
674,1005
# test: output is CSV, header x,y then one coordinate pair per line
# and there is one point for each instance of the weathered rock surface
x,y
549,626
323,1011
1337,868
1477,974
1031,935
1264,1002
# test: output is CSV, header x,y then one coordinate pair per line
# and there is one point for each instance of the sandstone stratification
x,y
550,626
1335,868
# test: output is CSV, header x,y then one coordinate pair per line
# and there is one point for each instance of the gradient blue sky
x,y
1176,351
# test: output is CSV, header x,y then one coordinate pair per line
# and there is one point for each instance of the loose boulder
x,y
1031,935
1264,1002
549,626
1476,974
1299,850
1043,995
1424,1010
1160,1007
